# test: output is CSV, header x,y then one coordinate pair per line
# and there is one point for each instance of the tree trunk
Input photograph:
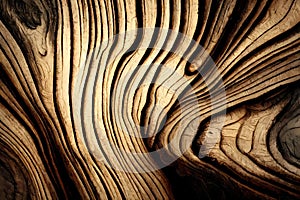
x,y
149,99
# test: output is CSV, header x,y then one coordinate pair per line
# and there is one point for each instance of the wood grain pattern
x,y
85,98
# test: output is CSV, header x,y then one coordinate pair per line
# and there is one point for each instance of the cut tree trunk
x,y
149,99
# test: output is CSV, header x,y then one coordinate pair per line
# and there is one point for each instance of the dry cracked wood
x,y
149,99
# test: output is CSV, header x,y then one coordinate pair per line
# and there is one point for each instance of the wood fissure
x,y
149,99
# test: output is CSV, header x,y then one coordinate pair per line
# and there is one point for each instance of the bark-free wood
x,y
47,48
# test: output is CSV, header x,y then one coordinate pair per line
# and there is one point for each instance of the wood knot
x,y
27,11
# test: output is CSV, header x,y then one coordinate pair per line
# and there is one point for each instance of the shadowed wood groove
x,y
149,99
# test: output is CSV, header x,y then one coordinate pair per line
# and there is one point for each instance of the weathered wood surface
x,y
81,108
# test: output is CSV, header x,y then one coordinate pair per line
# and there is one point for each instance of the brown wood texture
x,y
85,99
